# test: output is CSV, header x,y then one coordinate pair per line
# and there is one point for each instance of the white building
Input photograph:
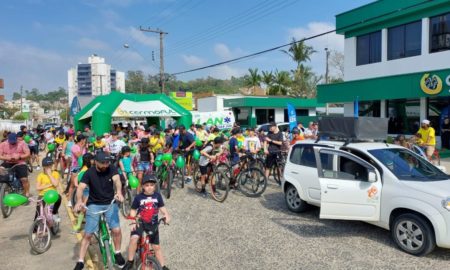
x,y
94,79
214,103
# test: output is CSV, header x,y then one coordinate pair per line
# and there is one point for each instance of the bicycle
x,y
164,174
145,254
216,177
103,237
128,195
179,172
277,168
435,157
9,183
39,236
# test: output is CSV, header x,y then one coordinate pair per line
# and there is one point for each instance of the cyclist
x,y
201,134
252,143
188,145
272,146
144,158
101,180
214,134
125,165
146,207
88,160
67,151
156,143
78,149
115,145
428,137
48,180
59,140
234,151
33,145
209,153
99,144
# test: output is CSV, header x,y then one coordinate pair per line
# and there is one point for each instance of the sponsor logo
x,y
372,192
431,85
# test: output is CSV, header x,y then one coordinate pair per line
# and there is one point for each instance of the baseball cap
x,y
20,134
235,131
426,122
149,178
12,138
216,130
102,156
47,161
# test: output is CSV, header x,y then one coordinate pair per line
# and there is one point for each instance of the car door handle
x,y
332,186
294,172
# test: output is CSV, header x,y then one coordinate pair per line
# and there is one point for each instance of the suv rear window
x,y
303,154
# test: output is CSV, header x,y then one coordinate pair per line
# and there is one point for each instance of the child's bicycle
x,y
435,157
217,179
103,237
9,183
39,236
145,255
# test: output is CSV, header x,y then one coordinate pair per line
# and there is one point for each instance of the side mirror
x,y
372,177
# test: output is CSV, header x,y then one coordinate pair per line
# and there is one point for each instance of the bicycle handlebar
x,y
103,211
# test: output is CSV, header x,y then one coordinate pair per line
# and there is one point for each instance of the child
x,y
207,156
146,206
88,160
48,180
125,165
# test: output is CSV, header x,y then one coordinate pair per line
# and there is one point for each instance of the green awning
x,y
272,102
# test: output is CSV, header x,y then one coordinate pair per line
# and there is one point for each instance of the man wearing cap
x,y
428,137
13,152
115,145
187,144
102,179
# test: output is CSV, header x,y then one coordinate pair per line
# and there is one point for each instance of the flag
x,y
292,116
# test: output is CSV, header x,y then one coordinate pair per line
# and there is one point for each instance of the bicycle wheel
x,y
435,158
108,254
252,182
126,204
196,178
182,175
5,189
166,182
150,263
39,236
55,228
221,184
276,171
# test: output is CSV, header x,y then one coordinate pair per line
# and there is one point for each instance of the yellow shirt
x,y
428,136
44,180
99,144
240,139
156,144
60,141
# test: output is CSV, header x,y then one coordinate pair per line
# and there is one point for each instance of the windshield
x,y
407,165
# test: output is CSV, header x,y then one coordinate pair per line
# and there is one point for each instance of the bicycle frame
x,y
103,235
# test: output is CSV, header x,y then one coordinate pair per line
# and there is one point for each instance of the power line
x,y
301,40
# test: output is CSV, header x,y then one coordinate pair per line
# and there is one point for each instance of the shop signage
x,y
432,84
222,120
155,108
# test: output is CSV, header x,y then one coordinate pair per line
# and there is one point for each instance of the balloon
x,y
227,134
27,138
133,150
180,162
158,163
133,181
91,139
80,161
159,158
51,147
51,196
14,200
198,142
167,157
240,144
196,154
80,176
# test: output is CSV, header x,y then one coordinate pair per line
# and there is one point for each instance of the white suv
x,y
386,185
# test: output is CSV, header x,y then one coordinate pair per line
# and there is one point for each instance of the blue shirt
x,y
148,206
186,140
233,144
126,161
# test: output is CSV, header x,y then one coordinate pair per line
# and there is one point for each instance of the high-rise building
x,y
94,79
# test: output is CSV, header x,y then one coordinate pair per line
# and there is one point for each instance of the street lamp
x,y
327,54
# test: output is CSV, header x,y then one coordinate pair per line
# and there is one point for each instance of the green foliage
x,y
19,117
36,95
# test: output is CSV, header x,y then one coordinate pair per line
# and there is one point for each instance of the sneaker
x,y
38,168
69,204
204,194
66,171
79,266
128,266
120,261
165,268
56,218
188,180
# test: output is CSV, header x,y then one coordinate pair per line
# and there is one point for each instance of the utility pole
x,y
21,99
327,53
161,55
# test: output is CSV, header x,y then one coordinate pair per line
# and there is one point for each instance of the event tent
x,y
100,112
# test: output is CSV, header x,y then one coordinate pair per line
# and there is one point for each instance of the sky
x,y
41,39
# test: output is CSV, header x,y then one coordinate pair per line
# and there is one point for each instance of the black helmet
x,y
149,178
126,149
47,161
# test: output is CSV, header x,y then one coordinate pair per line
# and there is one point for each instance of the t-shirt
x,y
202,135
101,185
144,153
273,148
233,144
203,161
116,146
76,149
16,150
186,140
156,144
252,143
69,145
212,136
60,141
148,206
428,133
44,180
127,161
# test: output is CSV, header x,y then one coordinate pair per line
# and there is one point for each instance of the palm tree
x,y
267,78
254,79
299,52
281,83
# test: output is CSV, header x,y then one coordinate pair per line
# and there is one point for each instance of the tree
x,y
267,79
281,83
304,83
254,79
299,52
337,65
63,114
16,96
19,117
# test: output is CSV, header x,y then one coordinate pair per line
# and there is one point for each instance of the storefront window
x,y
404,116
298,112
241,115
440,33
404,40
438,109
369,108
368,48
264,116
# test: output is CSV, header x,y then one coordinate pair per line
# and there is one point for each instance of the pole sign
x,y
292,116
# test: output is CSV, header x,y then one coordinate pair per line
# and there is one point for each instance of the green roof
x,y
271,101
387,13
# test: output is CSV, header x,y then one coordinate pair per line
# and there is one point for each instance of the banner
x,y
154,108
292,116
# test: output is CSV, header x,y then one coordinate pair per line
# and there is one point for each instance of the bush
x,y
19,117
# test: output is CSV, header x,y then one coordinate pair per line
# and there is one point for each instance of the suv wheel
x,y
413,234
293,201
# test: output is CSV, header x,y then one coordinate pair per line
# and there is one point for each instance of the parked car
x,y
383,184
47,126
283,127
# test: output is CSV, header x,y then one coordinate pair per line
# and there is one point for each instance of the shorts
x,y
92,219
271,159
21,171
75,169
235,160
204,169
149,229
143,166
188,156
430,150
34,149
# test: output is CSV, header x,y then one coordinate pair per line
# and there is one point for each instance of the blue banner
x,y
292,116
356,107
75,107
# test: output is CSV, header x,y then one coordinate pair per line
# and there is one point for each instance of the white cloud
x,y
145,38
193,60
92,44
226,72
225,53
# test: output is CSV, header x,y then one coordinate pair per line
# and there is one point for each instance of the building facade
x,y
396,63
93,79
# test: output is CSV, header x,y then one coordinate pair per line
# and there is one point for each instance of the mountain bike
x,y
217,178
164,174
145,255
39,236
9,183
277,168
103,237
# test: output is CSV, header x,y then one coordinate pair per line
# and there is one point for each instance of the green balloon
x,y
27,138
80,176
198,142
13,200
91,139
158,163
227,134
167,157
180,162
240,145
51,147
51,196
133,181
80,161
133,150
159,158
196,154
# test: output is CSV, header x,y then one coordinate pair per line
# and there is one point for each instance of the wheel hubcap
x,y
293,198
410,235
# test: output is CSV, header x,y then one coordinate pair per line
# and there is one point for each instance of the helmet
x,y
149,178
126,149
47,161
